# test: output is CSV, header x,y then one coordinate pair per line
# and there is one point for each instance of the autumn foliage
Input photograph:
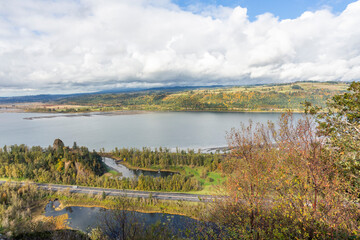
x,y
284,182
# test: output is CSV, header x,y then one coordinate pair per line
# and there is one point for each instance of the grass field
x,y
112,172
211,181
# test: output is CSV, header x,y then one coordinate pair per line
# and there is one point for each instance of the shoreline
x,y
62,206
85,114
130,112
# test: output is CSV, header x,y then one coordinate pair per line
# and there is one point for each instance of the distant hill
x,y
271,97
167,89
35,98
45,98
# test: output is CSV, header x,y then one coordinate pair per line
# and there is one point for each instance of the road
x,y
116,192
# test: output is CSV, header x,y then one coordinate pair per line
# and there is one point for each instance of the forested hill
x,y
276,97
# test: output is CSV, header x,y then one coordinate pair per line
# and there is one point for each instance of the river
x,y
195,130
130,173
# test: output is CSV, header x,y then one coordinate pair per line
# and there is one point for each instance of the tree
x,y
250,171
283,183
339,123
58,144
297,87
121,222
309,186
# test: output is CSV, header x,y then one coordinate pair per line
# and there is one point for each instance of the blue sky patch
x,y
281,8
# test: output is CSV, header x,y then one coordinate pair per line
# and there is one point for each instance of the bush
x,y
204,173
297,87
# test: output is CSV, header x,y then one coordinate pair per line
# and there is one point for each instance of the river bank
x,y
87,114
82,110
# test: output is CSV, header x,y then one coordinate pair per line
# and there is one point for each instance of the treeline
x,y
176,182
163,158
77,165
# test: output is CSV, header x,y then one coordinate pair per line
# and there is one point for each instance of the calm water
x,y
87,218
129,173
174,129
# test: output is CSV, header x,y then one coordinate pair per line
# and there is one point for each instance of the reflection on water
x,y
129,173
87,218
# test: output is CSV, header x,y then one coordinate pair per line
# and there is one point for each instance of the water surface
x,y
170,129
130,173
87,218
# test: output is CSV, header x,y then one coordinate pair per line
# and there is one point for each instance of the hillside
x,y
247,98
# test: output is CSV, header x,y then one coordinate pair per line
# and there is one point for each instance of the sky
x,y
68,46
279,8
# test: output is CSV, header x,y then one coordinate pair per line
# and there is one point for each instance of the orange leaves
x,y
292,171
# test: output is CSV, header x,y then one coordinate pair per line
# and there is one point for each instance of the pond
x,y
87,218
130,173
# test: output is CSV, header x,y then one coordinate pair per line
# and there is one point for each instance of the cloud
x,y
88,45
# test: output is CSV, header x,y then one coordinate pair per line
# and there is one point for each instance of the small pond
x,y
130,173
87,218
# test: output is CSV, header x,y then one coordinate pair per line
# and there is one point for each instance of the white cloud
x,y
87,45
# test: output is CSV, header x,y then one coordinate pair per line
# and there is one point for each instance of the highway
x,y
117,192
